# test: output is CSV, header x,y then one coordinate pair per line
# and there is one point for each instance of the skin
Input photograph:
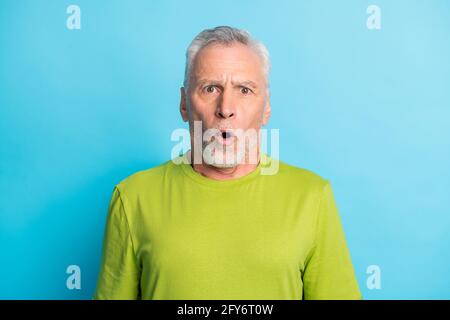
x,y
227,89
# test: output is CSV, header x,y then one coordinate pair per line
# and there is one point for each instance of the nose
x,y
226,106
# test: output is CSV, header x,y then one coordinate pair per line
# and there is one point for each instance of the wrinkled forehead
x,y
221,62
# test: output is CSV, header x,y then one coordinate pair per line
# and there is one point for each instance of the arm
x,y
328,270
119,271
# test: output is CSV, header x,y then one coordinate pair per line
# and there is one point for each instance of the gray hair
x,y
224,35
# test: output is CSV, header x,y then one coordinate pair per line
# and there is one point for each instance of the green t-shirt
x,y
172,233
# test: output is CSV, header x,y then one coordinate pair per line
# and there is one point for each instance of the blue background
x,y
82,109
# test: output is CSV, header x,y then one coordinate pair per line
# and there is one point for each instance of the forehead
x,y
236,60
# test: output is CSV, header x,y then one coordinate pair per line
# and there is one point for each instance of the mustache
x,y
223,126
223,129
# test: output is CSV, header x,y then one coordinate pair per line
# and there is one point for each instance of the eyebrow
x,y
247,83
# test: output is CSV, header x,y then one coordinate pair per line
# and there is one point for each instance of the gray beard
x,y
223,156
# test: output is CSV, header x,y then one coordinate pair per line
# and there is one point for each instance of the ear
x,y
266,115
183,106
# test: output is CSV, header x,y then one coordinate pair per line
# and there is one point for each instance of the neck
x,y
218,173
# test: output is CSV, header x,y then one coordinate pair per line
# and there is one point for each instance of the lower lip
x,y
226,142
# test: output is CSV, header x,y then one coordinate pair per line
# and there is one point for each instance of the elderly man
x,y
213,225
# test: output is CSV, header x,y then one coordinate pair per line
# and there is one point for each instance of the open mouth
x,y
225,137
226,134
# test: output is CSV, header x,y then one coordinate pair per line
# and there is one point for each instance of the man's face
x,y
227,92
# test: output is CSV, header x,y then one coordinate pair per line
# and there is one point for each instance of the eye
x,y
245,90
210,89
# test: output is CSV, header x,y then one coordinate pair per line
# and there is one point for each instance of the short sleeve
x,y
119,271
328,272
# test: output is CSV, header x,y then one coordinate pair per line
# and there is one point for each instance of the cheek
x,y
202,108
203,113
254,115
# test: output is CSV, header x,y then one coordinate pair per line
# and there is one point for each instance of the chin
x,y
219,160
223,165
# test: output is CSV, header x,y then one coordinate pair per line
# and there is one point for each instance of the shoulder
x,y
298,176
146,180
